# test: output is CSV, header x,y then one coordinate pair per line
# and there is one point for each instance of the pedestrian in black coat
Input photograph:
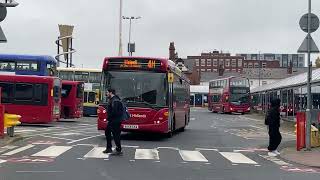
x,y
273,121
113,130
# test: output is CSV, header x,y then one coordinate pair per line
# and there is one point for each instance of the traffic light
x,y
11,120
3,14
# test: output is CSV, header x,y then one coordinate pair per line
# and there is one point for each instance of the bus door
x,y
56,99
79,99
170,101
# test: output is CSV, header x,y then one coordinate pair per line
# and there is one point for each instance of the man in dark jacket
x,y
114,113
273,122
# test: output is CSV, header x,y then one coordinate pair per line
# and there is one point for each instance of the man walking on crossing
x,y
115,111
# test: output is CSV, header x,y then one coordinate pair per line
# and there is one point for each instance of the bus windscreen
x,y
141,88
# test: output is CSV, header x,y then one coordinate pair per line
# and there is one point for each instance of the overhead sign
x,y
304,46
150,64
314,25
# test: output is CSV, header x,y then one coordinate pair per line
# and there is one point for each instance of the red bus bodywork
x,y
72,99
219,98
36,98
175,115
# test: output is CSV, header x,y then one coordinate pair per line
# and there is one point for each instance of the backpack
x,y
125,115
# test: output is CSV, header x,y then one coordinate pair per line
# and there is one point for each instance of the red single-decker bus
x,y
72,99
35,98
155,91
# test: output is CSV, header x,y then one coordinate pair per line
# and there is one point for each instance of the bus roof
x,y
23,78
170,64
227,78
46,58
135,57
79,69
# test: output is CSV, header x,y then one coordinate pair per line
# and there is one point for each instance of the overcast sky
x,y
235,26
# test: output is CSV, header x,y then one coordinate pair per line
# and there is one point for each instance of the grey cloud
x,y
195,26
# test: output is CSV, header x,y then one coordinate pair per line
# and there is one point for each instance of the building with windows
x,y
215,61
297,60
261,63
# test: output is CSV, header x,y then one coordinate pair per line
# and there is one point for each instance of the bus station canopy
x,y
293,81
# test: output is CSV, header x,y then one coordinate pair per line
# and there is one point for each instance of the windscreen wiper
x,y
143,102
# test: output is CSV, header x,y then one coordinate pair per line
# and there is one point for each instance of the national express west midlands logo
x,y
138,115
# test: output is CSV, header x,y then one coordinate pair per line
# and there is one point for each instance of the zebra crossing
x,y
199,155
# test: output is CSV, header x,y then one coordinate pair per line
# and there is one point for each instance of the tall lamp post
x,y
130,49
120,30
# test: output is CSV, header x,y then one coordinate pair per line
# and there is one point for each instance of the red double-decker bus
x,y
229,95
35,98
72,99
155,90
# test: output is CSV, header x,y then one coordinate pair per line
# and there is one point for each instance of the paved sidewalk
x,y
307,158
287,126
6,140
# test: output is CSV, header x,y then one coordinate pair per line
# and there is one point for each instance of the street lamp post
x,y
259,68
130,21
120,30
308,110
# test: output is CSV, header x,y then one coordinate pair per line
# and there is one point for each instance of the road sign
x,y
314,23
3,38
170,77
304,46
8,3
87,86
3,13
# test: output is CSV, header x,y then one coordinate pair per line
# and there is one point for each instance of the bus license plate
x,y
131,127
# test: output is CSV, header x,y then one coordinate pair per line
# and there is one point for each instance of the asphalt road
x,y
214,146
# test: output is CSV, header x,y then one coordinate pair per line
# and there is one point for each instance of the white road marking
x,y
53,137
39,171
52,151
237,158
97,153
67,134
24,130
84,139
2,161
8,147
195,156
205,149
18,150
173,148
275,160
128,146
146,154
